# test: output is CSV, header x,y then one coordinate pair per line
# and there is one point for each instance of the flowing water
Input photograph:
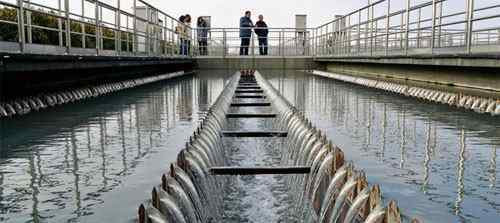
x,y
438,162
94,161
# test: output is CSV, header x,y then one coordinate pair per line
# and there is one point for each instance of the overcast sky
x,y
277,13
281,13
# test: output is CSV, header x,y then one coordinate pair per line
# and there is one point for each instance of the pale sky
x,y
277,13
281,13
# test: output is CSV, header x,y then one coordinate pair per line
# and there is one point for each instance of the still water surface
x,y
97,160
438,162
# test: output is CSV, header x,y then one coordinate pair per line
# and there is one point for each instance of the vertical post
x,y
372,18
419,27
407,40
470,12
252,45
224,43
20,24
433,25
97,29
315,43
147,40
401,32
118,34
367,28
439,23
84,38
283,36
387,24
359,33
172,37
135,38
59,23
68,27
349,35
28,23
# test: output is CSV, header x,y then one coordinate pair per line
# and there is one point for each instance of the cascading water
x,y
333,191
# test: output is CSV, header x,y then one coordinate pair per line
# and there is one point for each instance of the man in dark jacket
x,y
246,25
262,32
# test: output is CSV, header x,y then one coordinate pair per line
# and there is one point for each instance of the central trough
x,y
323,186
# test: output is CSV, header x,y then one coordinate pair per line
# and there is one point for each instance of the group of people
x,y
184,31
246,26
260,29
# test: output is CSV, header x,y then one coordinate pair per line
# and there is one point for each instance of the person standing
x,y
187,22
180,30
246,25
262,32
202,35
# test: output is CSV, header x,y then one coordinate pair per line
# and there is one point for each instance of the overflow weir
x,y
320,185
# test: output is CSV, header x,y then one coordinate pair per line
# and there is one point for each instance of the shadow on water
x,y
439,162
76,161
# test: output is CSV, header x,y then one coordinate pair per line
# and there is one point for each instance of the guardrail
x,y
135,28
93,27
226,42
433,28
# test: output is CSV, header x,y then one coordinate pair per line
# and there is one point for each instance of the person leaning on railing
x,y
202,35
181,31
262,32
246,25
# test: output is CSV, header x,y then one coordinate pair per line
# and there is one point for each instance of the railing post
x,y
135,40
84,38
224,43
387,24
359,34
118,34
470,12
419,27
439,23
97,29
252,45
147,40
433,25
372,18
315,43
29,25
68,27
407,27
283,35
20,23
172,38
59,23
348,50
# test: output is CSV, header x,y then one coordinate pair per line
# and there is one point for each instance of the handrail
x,y
375,29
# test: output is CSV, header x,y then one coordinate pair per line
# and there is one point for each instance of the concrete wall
x,y
29,74
267,62
482,79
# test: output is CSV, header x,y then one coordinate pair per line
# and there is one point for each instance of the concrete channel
x,y
323,186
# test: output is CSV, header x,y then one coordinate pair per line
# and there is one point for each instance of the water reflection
x,y
409,147
57,165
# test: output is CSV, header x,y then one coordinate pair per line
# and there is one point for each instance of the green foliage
x,y
46,30
8,32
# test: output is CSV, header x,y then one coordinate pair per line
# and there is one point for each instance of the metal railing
x,y
135,28
226,42
89,27
431,28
